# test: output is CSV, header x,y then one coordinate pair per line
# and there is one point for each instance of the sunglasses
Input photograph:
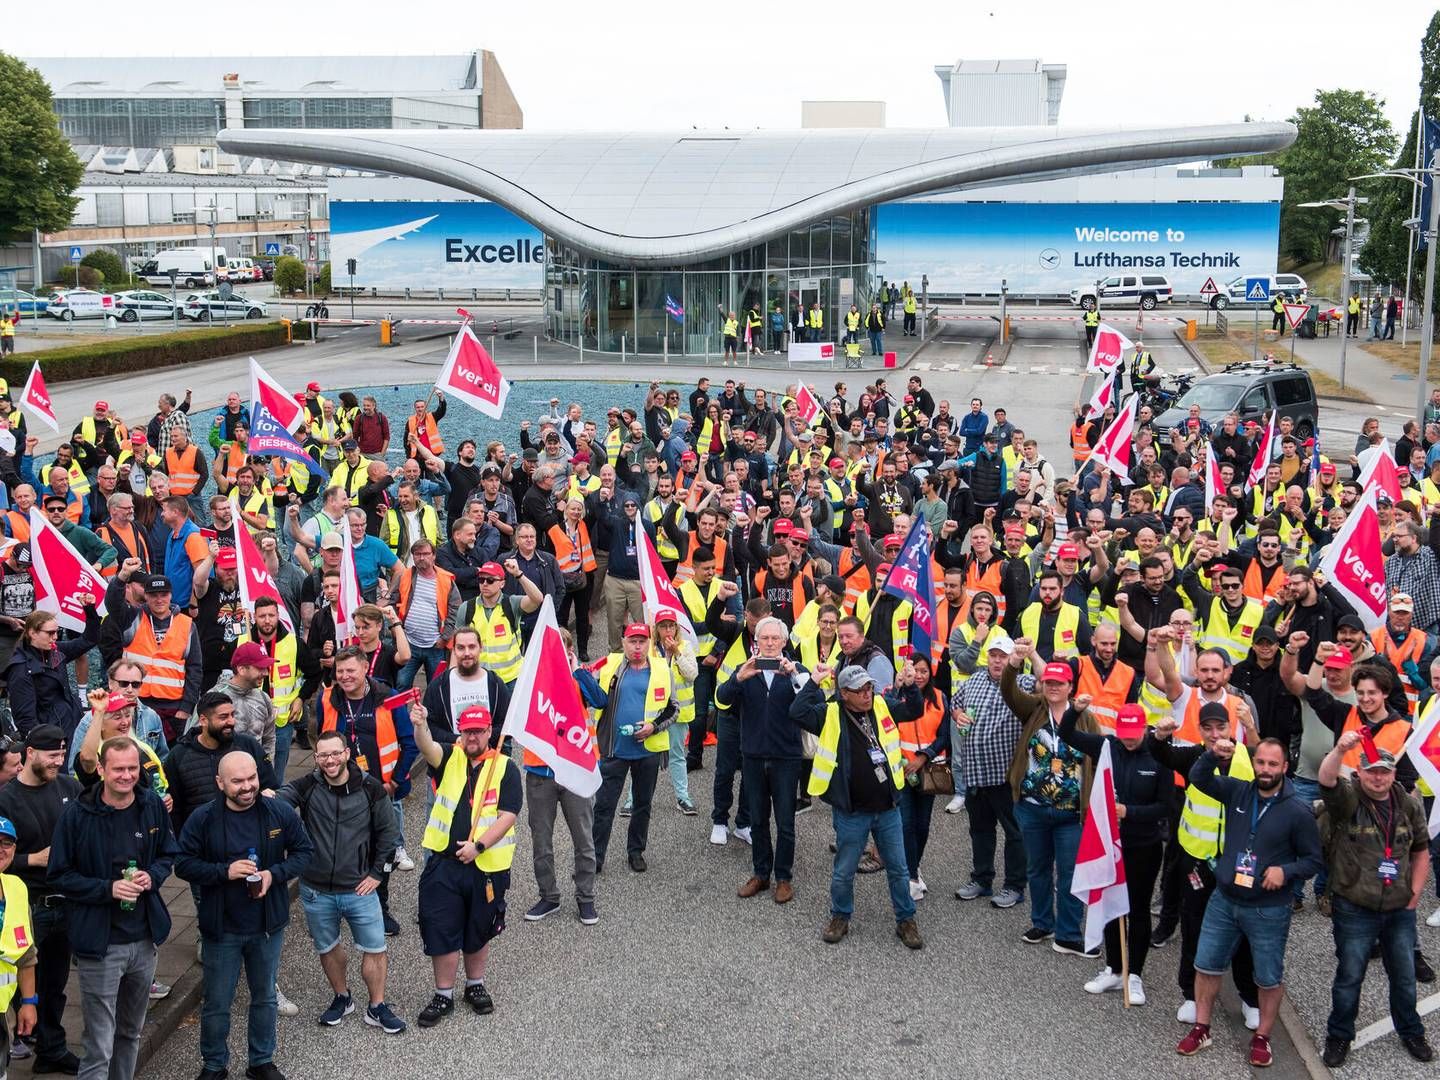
x,y
487,580
128,684
1229,585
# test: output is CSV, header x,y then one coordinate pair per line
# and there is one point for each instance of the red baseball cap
x,y
116,702
137,437
492,569
665,615
909,398
581,455
1130,722
313,387
637,629
225,559
251,654
799,534
475,718
783,527
837,461
1055,671
884,568
1327,468
1068,551
689,455
893,540
102,406
1341,657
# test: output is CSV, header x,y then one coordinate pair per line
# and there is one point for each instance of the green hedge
x,y
121,357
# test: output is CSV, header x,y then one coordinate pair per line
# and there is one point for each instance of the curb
x,y
1295,1031
1195,354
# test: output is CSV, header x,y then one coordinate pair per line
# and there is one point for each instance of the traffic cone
x,y
989,360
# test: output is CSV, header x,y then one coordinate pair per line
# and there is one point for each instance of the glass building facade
x,y
597,305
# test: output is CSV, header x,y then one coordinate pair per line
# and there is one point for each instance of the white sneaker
x,y
1434,919
743,834
284,1006
917,891
1186,1013
718,835
955,805
1137,991
1252,1015
403,861
1107,980
921,882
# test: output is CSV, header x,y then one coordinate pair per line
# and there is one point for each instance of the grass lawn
x,y
1238,347
1323,278
1405,357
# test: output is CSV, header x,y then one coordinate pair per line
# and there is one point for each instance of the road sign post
x,y
1207,291
1257,292
1295,315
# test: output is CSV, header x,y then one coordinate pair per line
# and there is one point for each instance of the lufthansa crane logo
x,y
1049,259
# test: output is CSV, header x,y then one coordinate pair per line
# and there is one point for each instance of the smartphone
x,y
767,663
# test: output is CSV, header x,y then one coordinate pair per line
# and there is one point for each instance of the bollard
x,y
385,332
1005,329
622,348
289,340
1190,332
535,341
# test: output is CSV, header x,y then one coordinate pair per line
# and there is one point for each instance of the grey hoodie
x,y
254,714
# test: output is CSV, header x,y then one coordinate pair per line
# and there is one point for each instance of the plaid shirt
x,y
1417,575
986,752
178,418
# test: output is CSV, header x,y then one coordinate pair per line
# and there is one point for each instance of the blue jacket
x,y
615,535
766,729
973,427
177,564
285,851
81,868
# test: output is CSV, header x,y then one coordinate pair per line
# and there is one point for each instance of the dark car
x,y
267,267
1250,391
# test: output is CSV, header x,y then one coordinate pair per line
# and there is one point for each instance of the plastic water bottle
x,y
129,875
628,730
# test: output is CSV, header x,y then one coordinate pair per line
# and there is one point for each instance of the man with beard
x,y
463,684
292,664
194,760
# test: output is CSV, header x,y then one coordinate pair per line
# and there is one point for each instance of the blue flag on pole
x,y
911,579
268,436
1315,457
674,310
1430,130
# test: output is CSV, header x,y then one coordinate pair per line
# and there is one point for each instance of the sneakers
x,y
22,1049
637,862
67,1064
1418,1048
1424,973
1162,936
1103,983
159,991
916,891
1251,1014
909,934
743,834
268,1071
719,835
1434,919
1075,948
1198,1039
403,861
1186,1013
835,929
284,1006
341,1007
382,1017
1260,1055
1006,898
955,805
440,1007
392,925
972,891
540,909
625,810
1137,991
1034,935
1336,1051
685,806
479,999
588,915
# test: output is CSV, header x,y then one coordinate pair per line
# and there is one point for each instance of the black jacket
x,y
285,850
352,827
440,718
1142,786
39,691
81,870
191,769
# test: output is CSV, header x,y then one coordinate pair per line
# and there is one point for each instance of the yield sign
x,y
1209,288
1295,313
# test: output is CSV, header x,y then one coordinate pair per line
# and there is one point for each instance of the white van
x,y
194,267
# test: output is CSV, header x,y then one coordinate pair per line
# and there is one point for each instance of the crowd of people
x,y
1257,730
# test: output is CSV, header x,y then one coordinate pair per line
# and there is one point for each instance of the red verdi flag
x,y
1264,451
1108,351
656,592
1112,449
807,405
1099,880
1213,484
472,376
255,579
36,398
547,715
267,392
1354,563
1102,399
1377,471
1424,751
64,580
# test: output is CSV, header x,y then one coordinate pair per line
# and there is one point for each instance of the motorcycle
x,y
1160,397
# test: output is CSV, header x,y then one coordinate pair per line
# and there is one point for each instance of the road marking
x,y
1381,1028
922,365
1382,408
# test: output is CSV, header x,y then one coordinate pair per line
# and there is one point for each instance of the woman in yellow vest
x,y
670,647
17,940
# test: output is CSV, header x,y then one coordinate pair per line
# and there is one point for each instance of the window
x,y
109,209
1291,391
1255,401
1160,281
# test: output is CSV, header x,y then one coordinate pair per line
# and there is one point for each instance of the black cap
x,y
835,583
1266,633
1350,622
54,498
489,469
531,454
991,436
45,737
349,444
156,583
1214,711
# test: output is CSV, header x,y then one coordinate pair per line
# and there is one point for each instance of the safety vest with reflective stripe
x,y
87,431
697,602
657,695
430,437
443,580
989,581
351,478
815,319
967,631
899,625
810,658
578,488
687,568
484,809
664,546
133,545
916,735
1188,731
572,557
827,753
258,504
284,673
1065,642
684,695
1079,441
429,526
1390,736
1411,649
1259,586
163,661
387,742
1108,694
856,575
183,469
1232,636
19,525
79,482
1202,819
499,643
17,937
614,440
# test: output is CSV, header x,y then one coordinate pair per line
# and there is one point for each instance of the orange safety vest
x,y
184,471
572,559
798,600
19,525
443,580
1390,736
915,735
1079,444
1412,649
1257,588
162,661
1108,695
134,543
1188,733
385,737
943,622
685,571
234,458
430,437
856,575
990,581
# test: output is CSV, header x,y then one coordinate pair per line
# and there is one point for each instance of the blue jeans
x,y
1309,790
727,764
957,737
876,339
1265,926
324,911
770,783
851,831
915,812
260,953
679,775
1355,929
284,736
1052,837
432,658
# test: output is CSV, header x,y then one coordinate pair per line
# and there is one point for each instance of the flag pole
x,y
1125,959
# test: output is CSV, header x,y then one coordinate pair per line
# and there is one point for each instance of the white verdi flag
x,y
1108,351
1354,564
656,592
1099,880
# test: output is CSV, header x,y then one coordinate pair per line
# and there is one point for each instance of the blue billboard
x,y
429,245
1051,248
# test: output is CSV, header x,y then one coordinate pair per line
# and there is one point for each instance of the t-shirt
x,y
466,692
35,810
223,621
511,797
630,709
127,839
868,792
370,557
242,835
17,597
382,664
1317,738
422,619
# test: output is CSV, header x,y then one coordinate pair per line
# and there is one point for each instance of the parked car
x,y
204,306
1124,290
1250,390
23,302
1288,285
267,267
80,304
144,304
241,268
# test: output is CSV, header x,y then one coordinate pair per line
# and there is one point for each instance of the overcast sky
x,y
650,65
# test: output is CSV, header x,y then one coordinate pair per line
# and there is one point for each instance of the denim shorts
x,y
1265,926
324,911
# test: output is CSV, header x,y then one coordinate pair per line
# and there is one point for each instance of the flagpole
x,y
1125,958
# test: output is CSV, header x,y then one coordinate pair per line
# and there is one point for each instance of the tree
x,y
38,171
289,275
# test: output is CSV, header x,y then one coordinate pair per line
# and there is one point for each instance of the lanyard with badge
x,y
877,755
1245,864
1389,869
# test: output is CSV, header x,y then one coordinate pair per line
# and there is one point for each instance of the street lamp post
x,y
1427,328
1348,205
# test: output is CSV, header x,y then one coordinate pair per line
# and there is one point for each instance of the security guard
x,y
471,838
852,324
815,322
353,472
730,331
1092,326
8,319
755,323
1277,320
909,324
1141,365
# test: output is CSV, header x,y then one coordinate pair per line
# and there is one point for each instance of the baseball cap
x,y
1402,602
637,629
666,615
332,541
7,829
492,569
949,465
102,406
157,583
250,654
225,559
783,527
1000,643
1384,760
53,498
1130,722
1055,671
893,540
1341,657
46,737
884,568
1213,712
803,436
1349,622
854,678
530,454
909,398
1327,468
1265,633
835,583
689,455
799,534
137,437
837,461
313,387
1068,551
489,469
475,718
349,444
116,702
990,436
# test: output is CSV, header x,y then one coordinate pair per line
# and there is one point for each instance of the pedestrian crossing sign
x,y
1257,288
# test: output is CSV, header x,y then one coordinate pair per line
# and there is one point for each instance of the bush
x,y
112,270
82,276
322,280
110,358
289,275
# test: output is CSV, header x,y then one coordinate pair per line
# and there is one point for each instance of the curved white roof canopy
x,y
670,198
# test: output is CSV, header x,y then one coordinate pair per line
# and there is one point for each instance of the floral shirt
x,y
1053,775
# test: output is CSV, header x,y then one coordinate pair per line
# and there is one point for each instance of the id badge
x,y
1195,882
1245,870
1389,871
877,757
